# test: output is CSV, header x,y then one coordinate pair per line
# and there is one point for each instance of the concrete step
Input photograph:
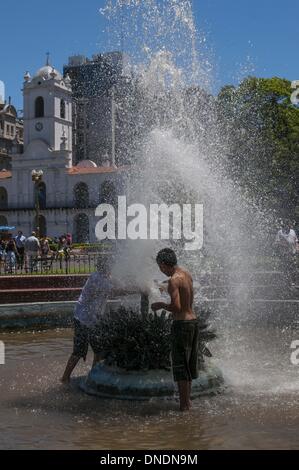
x,y
41,314
15,296
42,282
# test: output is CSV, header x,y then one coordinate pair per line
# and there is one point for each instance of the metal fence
x,y
52,264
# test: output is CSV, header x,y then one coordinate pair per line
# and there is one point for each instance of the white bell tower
x,y
48,109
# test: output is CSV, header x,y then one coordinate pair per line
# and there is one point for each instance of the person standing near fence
x,y
20,244
32,250
2,251
10,256
45,248
69,241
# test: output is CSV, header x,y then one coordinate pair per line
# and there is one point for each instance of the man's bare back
x,y
180,289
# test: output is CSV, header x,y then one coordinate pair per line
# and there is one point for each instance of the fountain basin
x,y
112,382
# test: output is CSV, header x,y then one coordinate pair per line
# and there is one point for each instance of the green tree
x,y
260,129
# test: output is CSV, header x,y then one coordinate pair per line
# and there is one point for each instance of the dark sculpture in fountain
x,y
136,361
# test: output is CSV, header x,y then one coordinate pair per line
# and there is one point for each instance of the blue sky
x,y
245,36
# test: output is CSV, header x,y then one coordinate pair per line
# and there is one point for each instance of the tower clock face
x,y
39,126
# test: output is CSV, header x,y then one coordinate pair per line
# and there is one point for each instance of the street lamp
x,y
37,176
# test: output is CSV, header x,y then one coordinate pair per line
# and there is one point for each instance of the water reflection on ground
x,y
259,408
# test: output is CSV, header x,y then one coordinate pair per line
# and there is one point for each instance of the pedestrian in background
x,y
20,244
32,251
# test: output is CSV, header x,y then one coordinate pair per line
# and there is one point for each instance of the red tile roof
x,y
5,174
101,169
78,171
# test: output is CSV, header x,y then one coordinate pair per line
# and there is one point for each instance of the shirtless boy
x,y
184,332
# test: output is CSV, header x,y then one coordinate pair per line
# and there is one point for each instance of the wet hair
x,y
167,257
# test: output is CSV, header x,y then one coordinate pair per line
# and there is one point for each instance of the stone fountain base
x,y
111,382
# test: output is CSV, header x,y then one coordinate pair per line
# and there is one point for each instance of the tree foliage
x,y
260,130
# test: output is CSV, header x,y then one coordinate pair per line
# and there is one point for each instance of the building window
x,y
108,193
3,198
81,228
62,109
81,196
41,195
20,134
39,107
3,221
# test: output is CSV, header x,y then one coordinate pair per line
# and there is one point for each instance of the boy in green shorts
x,y
185,328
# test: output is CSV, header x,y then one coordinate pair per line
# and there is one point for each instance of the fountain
x,y
178,158
172,163
137,358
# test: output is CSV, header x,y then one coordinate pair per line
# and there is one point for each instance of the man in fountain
x,y
89,308
185,328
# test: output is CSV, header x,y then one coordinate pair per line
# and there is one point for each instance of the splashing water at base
x,y
257,411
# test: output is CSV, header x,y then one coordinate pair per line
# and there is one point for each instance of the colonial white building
x,y
67,195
